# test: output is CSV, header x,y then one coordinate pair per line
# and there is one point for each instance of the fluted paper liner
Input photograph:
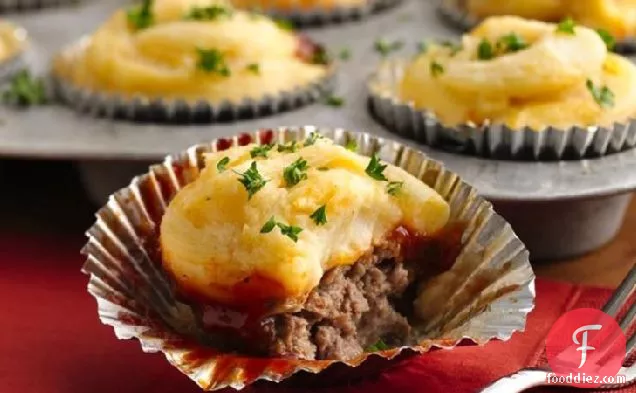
x,y
486,295
455,13
489,140
313,16
140,108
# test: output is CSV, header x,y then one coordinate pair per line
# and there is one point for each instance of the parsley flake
x,y
384,47
345,54
221,166
436,69
25,90
284,24
394,187
485,50
260,151
252,180
269,225
312,138
422,47
320,215
141,16
334,101
352,145
212,61
290,231
212,12
566,26
375,169
323,168
454,47
377,347
295,172
254,68
291,147
511,43
607,38
603,96
320,56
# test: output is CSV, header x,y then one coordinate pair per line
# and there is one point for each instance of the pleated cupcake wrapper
x,y
28,5
316,16
486,295
138,108
489,140
454,12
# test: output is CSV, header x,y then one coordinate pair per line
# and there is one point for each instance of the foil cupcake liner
x,y
144,109
454,12
486,295
496,141
27,5
319,16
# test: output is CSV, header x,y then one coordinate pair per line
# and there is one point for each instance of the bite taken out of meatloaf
x,y
351,310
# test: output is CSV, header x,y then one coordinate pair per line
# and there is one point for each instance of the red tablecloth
x,y
52,341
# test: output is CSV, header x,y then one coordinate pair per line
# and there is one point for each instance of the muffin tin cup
x,y
455,14
175,111
490,140
319,16
485,295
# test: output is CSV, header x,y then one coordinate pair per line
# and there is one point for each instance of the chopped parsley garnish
x,y
291,147
295,172
453,46
352,145
511,43
394,187
212,12
222,164
375,169
284,24
609,39
323,168
320,215
141,16
436,69
254,68
312,138
25,90
485,50
345,54
213,61
378,346
335,101
422,47
290,231
566,26
384,47
603,96
320,56
252,180
260,151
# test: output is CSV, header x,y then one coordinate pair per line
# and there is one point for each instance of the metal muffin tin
x,y
579,204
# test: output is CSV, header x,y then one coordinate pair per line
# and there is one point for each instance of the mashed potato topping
x,y
292,5
266,223
11,40
191,49
523,73
616,16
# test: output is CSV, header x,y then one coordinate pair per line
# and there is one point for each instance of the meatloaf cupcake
x,y
614,17
204,58
509,83
296,253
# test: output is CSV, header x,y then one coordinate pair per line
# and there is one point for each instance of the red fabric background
x,y
51,340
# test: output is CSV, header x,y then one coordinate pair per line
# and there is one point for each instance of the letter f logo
x,y
584,347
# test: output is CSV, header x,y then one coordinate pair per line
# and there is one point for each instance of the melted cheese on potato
x,y
12,40
292,5
162,60
211,234
616,16
545,84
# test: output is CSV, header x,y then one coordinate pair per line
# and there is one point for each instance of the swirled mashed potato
x,y
12,40
190,49
616,16
222,245
291,5
523,73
